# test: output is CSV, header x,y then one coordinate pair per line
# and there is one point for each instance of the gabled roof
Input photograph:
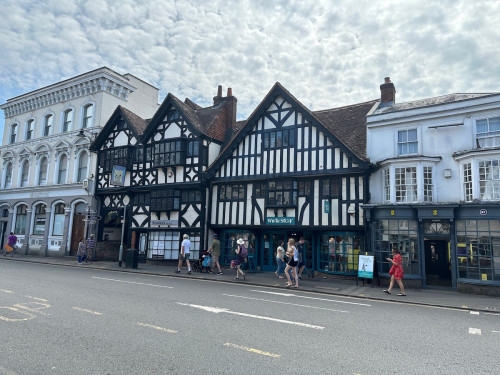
x,y
428,102
208,121
135,124
346,124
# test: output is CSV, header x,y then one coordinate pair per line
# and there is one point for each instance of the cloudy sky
x,y
327,53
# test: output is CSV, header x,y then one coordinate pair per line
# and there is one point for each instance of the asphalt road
x,y
66,320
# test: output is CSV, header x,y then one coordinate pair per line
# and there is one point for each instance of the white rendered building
x,y
436,192
46,168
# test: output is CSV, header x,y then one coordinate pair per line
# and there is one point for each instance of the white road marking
x,y
314,298
496,331
475,331
133,282
88,311
286,303
218,310
474,312
6,291
156,327
252,350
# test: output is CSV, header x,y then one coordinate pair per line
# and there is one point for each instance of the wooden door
x,y
76,232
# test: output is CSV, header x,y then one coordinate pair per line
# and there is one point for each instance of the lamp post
x,y
120,254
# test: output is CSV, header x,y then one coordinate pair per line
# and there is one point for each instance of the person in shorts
x,y
215,251
184,254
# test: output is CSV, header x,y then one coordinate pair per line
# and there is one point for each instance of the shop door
x,y
271,240
76,232
437,262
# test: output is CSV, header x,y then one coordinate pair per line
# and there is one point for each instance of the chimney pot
x,y
229,91
387,93
219,91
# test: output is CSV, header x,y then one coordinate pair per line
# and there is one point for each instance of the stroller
x,y
204,263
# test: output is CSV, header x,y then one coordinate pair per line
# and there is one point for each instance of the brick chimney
x,y
218,97
387,93
231,104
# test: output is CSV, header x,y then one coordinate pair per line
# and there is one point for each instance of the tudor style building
x,y
46,169
153,172
291,172
436,192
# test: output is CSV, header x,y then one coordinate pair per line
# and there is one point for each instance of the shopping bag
x,y
8,248
234,263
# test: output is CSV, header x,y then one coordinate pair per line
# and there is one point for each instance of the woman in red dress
x,y
396,272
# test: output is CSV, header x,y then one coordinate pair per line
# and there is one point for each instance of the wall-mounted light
x,y
351,209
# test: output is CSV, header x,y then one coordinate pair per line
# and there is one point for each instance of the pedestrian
x,y
241,254
280,259
331,253
82,251
11,244
184,254
291,267
396,272
300,249
215,251
91,247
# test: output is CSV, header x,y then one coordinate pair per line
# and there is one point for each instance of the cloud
x,y
326,53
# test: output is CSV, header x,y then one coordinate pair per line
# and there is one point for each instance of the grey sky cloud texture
x,y
327,53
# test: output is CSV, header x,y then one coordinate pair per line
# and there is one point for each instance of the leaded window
x,y
282,193
115,156
304,188
330,187
232,192
278,139
142,199
191,196
193,148
168,153
259,190
407,142
165,200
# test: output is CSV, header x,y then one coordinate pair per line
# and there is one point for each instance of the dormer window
x,y
407,142
488,132
173,115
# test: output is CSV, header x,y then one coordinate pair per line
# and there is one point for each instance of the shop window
x,y
39,219
339,252
58,224
165,200
402,234
478,250
21,215
282,193
228,245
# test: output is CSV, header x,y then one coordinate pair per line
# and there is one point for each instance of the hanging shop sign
x,y
118,175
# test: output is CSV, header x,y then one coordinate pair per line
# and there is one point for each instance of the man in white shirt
x,y
184,254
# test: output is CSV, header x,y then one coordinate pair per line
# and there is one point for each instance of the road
x,y
74,320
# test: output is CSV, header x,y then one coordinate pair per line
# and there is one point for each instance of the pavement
x,y
441,298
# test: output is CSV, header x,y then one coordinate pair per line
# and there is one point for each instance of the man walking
x,y
184,254
11,245
301,265
215,251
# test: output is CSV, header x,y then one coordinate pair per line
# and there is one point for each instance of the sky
x,y
327,53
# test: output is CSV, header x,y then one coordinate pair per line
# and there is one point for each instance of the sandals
x,y
386,291
402,294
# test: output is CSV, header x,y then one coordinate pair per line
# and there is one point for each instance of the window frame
x,y
87,119
82,171
165,200
60,169
159,152
7,180
30,130
25,173
13,130
48,124
401,189
67,123
21,215
41,170
115,156
483,137
277,190
407,142
279,138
